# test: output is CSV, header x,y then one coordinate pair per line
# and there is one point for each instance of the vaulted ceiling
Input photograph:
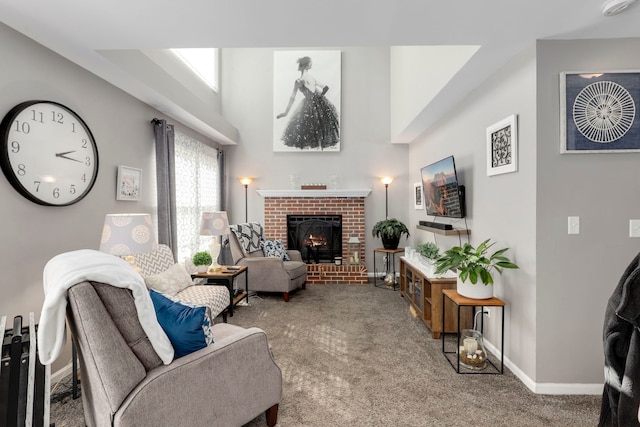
x,y
82,30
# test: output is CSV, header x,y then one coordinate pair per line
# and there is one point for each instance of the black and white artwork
x,y
598,112
417,195
502,146
306,101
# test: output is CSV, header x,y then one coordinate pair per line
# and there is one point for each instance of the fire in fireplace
x,y
317,237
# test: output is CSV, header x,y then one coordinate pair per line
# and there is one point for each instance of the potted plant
x,y
429,250
473,264
390,231
202,260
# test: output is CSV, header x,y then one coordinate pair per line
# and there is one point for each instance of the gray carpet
x,y
354,356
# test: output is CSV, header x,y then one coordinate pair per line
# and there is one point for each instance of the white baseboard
x,y
545,388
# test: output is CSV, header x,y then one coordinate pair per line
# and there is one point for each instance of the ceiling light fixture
x,y
614,7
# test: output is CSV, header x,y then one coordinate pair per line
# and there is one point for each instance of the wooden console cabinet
x,y
424,294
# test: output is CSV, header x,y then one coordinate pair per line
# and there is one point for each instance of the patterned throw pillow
x,y
170,281
187,326
275,248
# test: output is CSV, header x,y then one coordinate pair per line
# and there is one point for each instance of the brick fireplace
x,y
347,203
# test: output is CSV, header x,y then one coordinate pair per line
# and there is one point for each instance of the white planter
x,y
477,291
202,268
428,265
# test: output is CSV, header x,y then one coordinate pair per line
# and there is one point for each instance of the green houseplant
x,y
390,230
202,260
472,264
429,250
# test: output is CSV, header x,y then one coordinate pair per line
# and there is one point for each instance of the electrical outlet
x,y
488,313
573,225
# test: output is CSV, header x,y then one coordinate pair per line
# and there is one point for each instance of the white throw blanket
x,y
70,268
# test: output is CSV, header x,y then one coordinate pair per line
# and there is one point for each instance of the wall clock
x,y
48,153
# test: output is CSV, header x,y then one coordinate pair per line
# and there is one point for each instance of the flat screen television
x,y
443,196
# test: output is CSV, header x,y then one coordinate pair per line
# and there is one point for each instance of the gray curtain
x,y
165,167
225,253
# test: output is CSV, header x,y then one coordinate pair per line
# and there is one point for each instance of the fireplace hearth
x,y
317,237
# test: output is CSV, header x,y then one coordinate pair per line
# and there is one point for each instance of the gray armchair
x,y
266,274
124,382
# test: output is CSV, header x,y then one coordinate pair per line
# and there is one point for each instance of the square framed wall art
x,y
598,112
128,184
502,146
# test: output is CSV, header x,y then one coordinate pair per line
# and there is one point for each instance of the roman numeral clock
x,y
48,153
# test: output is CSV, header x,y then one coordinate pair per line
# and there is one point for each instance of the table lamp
x,y
126,235
214,223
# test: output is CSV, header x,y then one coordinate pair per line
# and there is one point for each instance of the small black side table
x,y
391,263
225,277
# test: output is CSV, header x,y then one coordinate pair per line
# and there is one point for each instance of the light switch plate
x,y
634,228
573,225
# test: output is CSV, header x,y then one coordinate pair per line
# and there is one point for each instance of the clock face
x,y
48,153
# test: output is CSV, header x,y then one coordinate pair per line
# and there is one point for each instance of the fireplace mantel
x,y
315,193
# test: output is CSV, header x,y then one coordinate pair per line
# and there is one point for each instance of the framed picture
x,y
598,112
418,196
306,100
128,186
502,146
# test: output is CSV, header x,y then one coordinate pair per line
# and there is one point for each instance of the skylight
x,y
203,62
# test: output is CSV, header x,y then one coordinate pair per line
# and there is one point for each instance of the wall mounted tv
x,y
443,196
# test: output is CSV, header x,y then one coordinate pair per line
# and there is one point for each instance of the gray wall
x,y
33,234
500,207
366,153
556,301
577,273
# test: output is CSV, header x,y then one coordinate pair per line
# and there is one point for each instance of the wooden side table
x,y
460,301
226,277
391,261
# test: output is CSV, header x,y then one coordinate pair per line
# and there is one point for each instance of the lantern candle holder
x,y
353,248
471,350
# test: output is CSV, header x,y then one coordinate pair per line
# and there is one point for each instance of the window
x,y
198,189
203,62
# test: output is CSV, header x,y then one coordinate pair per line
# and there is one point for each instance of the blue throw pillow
x,y
187,326
274,248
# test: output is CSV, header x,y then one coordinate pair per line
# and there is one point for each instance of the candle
x,y
470,345
355,257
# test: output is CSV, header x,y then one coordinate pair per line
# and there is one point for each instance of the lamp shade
x,y
214,223
127,234
386,180
353,239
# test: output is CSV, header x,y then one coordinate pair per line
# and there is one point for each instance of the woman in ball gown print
x,y
315,123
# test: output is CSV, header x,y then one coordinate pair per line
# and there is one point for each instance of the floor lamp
x,y
246,181
386,180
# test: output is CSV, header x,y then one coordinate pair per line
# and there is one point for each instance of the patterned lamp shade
x,y
214,223
127,234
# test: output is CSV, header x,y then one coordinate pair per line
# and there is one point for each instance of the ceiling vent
x,y
614,7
